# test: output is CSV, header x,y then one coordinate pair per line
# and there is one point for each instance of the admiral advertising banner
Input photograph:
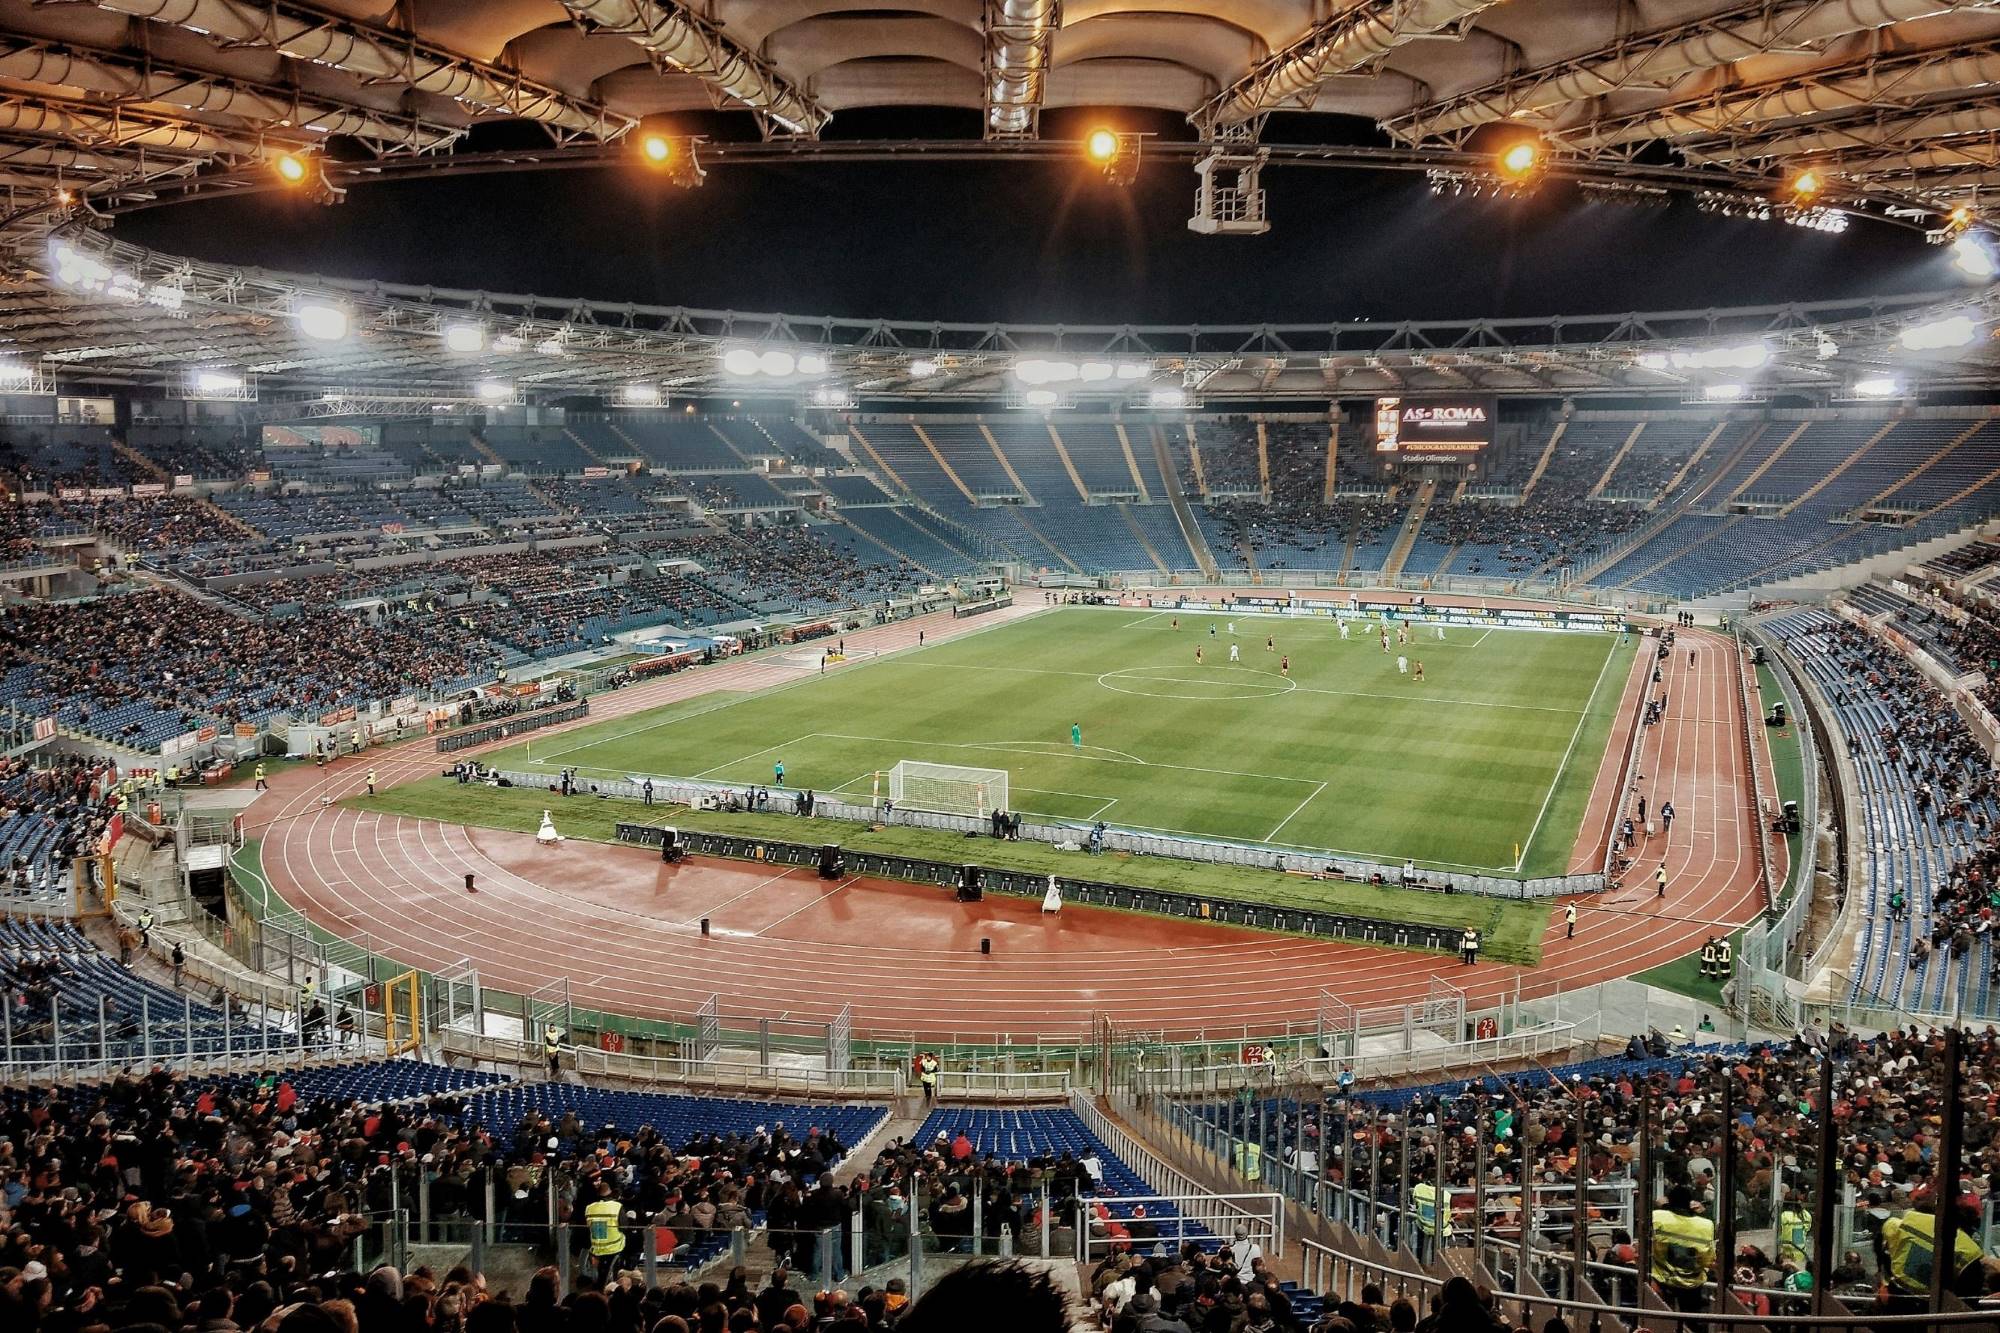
x,y
1435,430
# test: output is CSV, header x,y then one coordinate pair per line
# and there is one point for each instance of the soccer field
x,y
1496,749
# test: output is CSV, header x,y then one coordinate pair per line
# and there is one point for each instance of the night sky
x,y
1041,243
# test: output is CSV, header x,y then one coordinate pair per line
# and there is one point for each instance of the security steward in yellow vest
x,y
1683,1251
607,1239
1911,1244
1424,1200
1795,1226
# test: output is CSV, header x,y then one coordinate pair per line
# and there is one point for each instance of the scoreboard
x,y
1435,430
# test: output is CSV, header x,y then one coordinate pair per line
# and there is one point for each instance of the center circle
x,y
1199,683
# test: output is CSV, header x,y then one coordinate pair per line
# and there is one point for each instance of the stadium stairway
x,y
1264,460
898,486
1951,446
583,447
1132,462
487,451
937,456
1332,480
891,551
1637,540
1604,479
1139,535
142,465
1407,538
1542,463
1833,474
1062,453
1170,478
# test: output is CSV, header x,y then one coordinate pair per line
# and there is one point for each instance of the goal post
x,y
948,789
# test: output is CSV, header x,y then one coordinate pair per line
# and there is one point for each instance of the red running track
x,y
624,929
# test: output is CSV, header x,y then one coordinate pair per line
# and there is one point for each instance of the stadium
x,y
753,665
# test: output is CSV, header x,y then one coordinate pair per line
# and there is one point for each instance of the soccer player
x,y
1420,670
1285,666
1402,665
1440,631
1232,627
1402,634
778,774
1385,640
1232,652
1076,735
1197,654
1271,641
1176,624
1343,629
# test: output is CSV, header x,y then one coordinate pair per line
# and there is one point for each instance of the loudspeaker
x,y
829,861
971,887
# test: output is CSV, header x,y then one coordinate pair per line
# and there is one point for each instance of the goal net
x,y
948,789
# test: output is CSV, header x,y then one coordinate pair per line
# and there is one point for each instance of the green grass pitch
x,y
1498,747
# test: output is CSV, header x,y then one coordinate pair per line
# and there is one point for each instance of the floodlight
x,y
777,364
327,323
1880,387
1972,255
640,395
291,168
15,372
1102,146
464,337
1092,372
740,361
217,381
1168,396
656,147
1717,393
1520,159
922,370
1133,370
1041,398
812,363
494,391
1940,334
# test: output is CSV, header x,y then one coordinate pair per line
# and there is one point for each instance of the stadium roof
x,y
1886,94
112,104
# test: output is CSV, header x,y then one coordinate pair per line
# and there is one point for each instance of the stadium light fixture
x,y
1881,386
1972,255
1723,393
465,337
1940,334
1041,398
1746,356
923,369
1113,153
1133,370
740,361
218,381
291,168
15,372
1168,396
1041,370
1095,372
778,364
1520,159
812,363
494,391
1807,184
640,395
323,321
657,148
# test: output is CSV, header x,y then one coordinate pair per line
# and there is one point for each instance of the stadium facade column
x,y
1725,1194
1944,1194
1525,1173
1642,1199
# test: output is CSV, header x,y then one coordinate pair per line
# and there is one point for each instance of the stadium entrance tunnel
x,y
1219,681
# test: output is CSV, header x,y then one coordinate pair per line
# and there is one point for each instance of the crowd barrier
x,y
516,725
690,792
946,874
